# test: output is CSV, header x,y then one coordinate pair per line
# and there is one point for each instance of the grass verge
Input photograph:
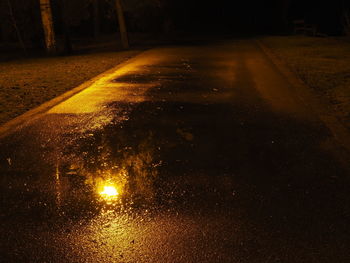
x,y
322,63
27,83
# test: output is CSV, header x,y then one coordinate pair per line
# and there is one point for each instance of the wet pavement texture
x,y
198,153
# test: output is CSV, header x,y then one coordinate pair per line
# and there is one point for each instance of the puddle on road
x,y
142,162
114,174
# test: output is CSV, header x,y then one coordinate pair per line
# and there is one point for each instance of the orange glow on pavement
x,y
109,192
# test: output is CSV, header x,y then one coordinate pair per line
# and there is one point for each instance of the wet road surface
x,y
197,153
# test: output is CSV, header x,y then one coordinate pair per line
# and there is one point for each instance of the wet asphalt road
x,y
213,156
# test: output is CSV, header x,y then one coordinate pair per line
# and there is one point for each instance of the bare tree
x,y
46,17
67,42
73,12
15,25
122,26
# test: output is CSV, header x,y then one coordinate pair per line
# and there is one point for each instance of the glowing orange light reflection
x,y
109,192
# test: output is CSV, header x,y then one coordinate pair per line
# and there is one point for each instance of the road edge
x,y
304,93
17,122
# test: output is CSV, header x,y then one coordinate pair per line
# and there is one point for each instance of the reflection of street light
x,y
109,192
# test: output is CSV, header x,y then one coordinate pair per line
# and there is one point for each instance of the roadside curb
x,y
304,93
35,113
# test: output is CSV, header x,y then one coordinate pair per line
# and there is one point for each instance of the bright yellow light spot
x,y
109,192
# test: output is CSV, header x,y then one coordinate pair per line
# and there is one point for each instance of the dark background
x,y
170,17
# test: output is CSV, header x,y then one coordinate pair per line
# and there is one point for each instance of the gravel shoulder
x,y
322,63
27,83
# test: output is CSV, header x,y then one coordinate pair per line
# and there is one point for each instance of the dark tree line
x,y
43,23
22,21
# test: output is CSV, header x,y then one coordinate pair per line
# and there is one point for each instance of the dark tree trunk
x,y
47,22
122,26
67,42
284,6
15,25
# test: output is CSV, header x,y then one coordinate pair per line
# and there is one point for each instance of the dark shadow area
x,y
82,27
